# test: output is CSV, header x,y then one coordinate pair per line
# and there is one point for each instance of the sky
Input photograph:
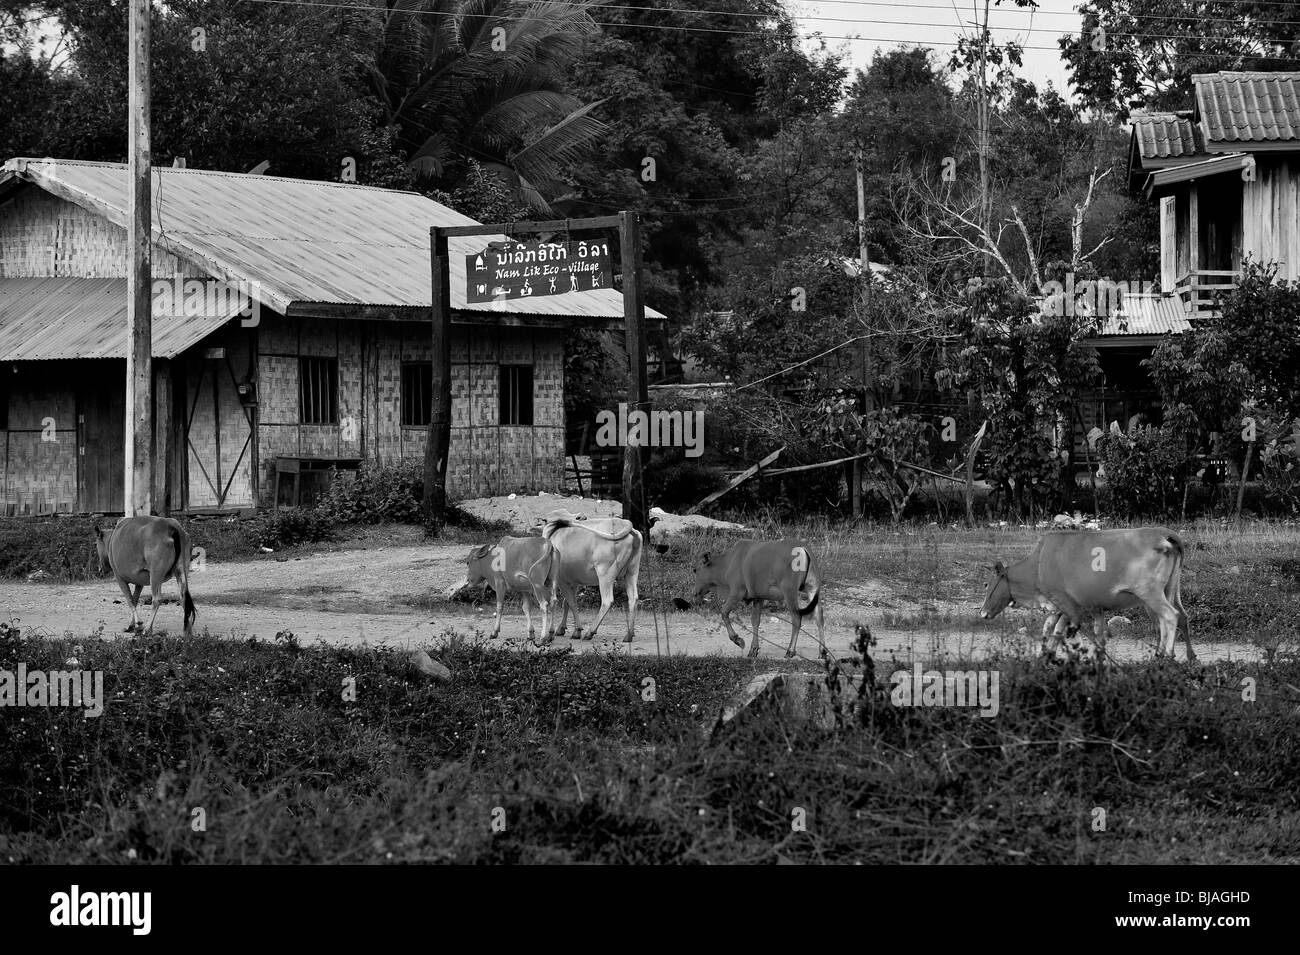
x,y
885,24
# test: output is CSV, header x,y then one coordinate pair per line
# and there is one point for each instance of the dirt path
x,y
383,596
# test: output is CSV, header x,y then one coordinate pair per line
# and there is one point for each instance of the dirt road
x,y
393,596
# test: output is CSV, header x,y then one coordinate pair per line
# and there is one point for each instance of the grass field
x,y
577,763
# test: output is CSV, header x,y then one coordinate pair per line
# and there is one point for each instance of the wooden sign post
x,y
437,448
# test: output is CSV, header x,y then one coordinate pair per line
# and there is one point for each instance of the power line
x,y
815,35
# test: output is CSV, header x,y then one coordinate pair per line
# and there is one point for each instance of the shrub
x,y
1146,471
674,485
299,525
377,494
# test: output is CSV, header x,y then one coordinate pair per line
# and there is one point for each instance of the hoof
x,y
789,654
628,638
737,641
545,641
495,634
588,635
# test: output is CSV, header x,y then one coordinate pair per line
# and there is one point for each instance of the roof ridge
x,y
220,172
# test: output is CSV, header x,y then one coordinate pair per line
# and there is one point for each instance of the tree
x,y
487,79
1143,53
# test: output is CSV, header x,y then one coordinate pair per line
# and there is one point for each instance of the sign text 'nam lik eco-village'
x,y
522,269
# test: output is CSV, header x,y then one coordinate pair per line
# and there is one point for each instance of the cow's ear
x,y
480,551
99,532
999,567
705,559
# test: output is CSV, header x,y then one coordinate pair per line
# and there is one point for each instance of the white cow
x,y
595,552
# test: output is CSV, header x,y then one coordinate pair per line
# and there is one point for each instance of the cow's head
x,y
706,575
478,566
101,546
997,592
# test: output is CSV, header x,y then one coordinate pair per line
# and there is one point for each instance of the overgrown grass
x,y
578,761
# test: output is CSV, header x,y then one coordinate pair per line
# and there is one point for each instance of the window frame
x,y
509,370
306,381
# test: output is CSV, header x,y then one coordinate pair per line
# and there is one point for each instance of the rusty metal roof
x,y
301,241
49,318
1165,136
1145,315
1248,107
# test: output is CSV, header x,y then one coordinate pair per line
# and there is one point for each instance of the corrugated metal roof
x,y
1248,107
302,241
1164,136
48,318
1146,315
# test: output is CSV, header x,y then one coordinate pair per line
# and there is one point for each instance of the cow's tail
x,y
553,526
810,585
181,568
1174,588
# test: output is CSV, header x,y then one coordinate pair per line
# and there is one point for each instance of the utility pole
x,y
865,350
137,473
437,448
638,394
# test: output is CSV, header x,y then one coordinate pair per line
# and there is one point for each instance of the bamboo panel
x,y
484,395
277,389
40,476
318,337
548,381
30,407
319,440
548,459
484,467
460,396
351,406
272,441
516,459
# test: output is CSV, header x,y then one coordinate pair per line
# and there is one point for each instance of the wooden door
x,y
101,442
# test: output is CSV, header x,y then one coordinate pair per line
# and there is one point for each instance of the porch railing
x,y
1197,289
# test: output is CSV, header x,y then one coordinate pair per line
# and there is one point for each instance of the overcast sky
x,y
885,24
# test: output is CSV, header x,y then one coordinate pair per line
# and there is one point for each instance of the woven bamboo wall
x,y
485,458
282,341
38,454
43,235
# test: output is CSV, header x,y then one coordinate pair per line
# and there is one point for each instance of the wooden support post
x,y
437,447
638,393
162,437
137,473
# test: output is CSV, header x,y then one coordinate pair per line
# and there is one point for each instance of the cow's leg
x,y
133,598
156,581
130,602
728,606
1176,601
796,621
605,581
1100,634
571,603
755,618
630,584
501,603
820,619
1168,625
528,617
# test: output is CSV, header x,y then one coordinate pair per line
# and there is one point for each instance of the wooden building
x,y
290,325
1226,174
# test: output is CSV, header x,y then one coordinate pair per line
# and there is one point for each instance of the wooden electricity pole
x,y
865,271
638,390
438,444
137,473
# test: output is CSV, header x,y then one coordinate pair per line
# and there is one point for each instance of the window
x,y
318,390
516,394
417,394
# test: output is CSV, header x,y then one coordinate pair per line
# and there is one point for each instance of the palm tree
x,y
485,80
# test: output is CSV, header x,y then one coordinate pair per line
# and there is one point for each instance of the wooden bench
x,y
297,466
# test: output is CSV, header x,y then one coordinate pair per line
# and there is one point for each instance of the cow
x,y
595,552
1091,573
148,550
753,571
523,565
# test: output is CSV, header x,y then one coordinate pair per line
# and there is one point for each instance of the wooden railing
x,y
1198,289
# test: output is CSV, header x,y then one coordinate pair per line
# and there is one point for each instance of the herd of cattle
x,y
1075,575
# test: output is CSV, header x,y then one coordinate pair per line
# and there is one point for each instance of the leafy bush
x,y
298,525
1146,471
1279,465
376,494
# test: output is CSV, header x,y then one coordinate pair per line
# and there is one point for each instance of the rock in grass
x,y
430,667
